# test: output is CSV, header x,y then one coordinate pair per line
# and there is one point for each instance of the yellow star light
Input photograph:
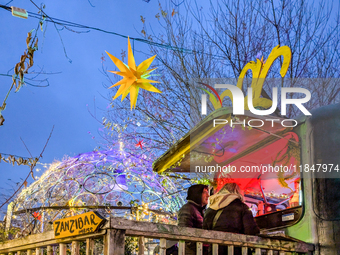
x,y
134,77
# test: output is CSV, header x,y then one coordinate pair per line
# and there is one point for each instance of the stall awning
x,y
222,143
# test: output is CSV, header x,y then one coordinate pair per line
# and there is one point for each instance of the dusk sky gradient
x,y
76,88
78,85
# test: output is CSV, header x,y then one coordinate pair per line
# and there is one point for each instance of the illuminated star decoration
x,y
140,144
134,77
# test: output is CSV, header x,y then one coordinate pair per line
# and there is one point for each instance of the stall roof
x,y
223,143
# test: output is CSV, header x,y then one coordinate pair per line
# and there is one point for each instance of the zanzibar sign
x,y
77,225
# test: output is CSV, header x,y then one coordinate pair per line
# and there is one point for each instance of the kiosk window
x,y
269,177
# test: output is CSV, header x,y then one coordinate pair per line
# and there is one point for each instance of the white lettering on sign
x,y
288,217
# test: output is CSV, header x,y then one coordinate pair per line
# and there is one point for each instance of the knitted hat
x,y
195,193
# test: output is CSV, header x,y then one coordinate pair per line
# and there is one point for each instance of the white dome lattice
x,y
113,182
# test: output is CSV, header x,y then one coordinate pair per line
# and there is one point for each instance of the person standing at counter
x,y
228,213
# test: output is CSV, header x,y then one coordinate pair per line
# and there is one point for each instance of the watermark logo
x,y
239,101
253,101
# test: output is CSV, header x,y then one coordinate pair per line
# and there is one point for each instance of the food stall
x,y
289,173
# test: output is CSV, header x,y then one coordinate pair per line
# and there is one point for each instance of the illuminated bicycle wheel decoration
x,y
110,182
99,183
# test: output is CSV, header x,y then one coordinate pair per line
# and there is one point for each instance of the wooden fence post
x,y
162,246
39,251
62,249
141,245
230,249
199,248
89,246
181,247
49,250
215,249
114,242
75,248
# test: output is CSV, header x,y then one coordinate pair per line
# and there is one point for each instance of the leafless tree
x,y
217,42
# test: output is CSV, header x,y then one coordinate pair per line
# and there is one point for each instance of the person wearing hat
x,y
191,214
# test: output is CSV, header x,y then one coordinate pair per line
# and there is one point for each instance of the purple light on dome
x,y
121,179
106,177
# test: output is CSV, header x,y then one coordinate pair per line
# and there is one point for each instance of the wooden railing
x,y
116,229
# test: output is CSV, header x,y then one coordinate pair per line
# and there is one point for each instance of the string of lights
x,y
66,24
109,181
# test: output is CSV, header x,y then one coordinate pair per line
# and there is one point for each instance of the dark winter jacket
x,y
235,217
191,214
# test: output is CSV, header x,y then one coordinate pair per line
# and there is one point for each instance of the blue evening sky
x,y
31,113
77,86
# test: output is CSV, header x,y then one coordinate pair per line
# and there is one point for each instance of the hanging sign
x,y
77,225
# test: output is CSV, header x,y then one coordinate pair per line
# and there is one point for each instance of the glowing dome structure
x,y
112,182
